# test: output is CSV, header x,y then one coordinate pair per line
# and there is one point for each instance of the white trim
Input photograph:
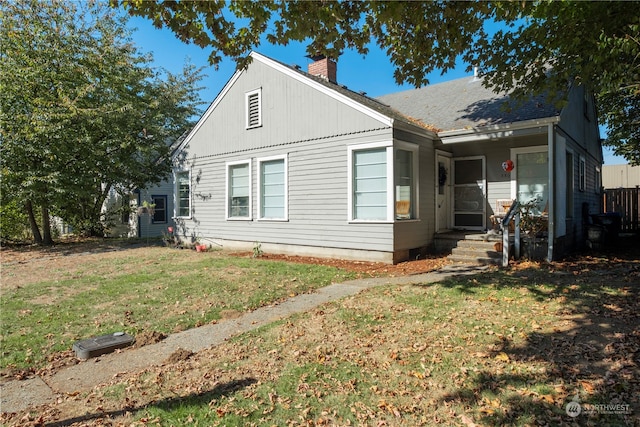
x,y
176,194
449,157
494,132
415,184
514,157
387,121
390,196
209,111
247,96
286,186
227,165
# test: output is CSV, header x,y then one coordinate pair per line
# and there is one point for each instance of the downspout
x,y
552,191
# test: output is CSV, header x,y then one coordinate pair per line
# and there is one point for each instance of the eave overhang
x,y
499,131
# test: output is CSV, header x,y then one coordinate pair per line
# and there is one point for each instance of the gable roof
x,y
359,101
464,104
359,97
455,105
370,106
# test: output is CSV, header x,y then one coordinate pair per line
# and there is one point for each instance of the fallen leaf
x,y
502,356
467,421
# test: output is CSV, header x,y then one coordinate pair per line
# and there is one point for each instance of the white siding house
x,y
303,165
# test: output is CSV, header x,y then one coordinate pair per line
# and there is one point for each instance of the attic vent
x,y
254,110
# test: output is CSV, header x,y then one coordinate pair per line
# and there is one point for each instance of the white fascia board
x,y
208,112
494,132
387,121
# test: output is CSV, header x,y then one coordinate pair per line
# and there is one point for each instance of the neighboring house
x,y
300,164
126,216
620,176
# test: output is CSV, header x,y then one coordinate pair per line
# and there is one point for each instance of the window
x,y
183,192
370,184
583,177
159,210
383,182
126,209
239,190
532,176
254,108
273,188
405,187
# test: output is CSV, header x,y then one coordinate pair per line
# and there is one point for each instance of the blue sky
x,y
372,73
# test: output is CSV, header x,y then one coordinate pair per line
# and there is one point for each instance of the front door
x,y
443,193
469,193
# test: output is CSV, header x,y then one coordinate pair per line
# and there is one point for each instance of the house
x,y
141,213
299,164
620,176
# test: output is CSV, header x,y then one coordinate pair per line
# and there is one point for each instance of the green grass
x,y
491,349
506,347
153,289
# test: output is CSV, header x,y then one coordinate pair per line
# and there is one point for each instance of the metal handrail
x,y
512,214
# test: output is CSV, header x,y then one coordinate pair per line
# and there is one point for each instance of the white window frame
x,y
176,201
390,211
582,174
247,98
228,166
415,153
514,156
260,161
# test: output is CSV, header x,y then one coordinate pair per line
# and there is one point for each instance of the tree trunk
x,y
37,237
46,226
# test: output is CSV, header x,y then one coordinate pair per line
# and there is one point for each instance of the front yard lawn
x,y
507,347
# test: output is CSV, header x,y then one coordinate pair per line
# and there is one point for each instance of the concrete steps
x,y
477,252
471,248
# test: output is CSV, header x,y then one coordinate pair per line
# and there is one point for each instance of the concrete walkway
x,y
19,395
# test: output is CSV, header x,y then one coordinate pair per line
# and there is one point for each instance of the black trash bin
x,y
612,222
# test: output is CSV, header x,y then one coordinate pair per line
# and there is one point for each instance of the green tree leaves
x,y
540,48
81,110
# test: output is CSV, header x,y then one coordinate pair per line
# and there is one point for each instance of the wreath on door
x,y
442,175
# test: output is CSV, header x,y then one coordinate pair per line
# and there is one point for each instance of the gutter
x,y
498,131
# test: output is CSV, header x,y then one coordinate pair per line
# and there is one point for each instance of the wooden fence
x,y
625,201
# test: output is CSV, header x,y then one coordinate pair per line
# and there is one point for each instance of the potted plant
x,y
533,223
200,247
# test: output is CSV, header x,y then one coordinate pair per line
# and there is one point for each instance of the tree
x,y
542,46
82,111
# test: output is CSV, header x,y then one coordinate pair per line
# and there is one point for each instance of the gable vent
x,y
254,113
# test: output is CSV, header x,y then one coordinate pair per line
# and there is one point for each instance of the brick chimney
x,y
323,67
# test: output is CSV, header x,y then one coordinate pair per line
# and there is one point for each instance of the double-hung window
x,y
253,108
583,174
272,188
183,194
375,170
239,190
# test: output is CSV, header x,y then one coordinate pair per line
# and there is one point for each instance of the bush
x,y
14,223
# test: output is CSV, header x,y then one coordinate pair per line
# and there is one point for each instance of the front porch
x,y
482,247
